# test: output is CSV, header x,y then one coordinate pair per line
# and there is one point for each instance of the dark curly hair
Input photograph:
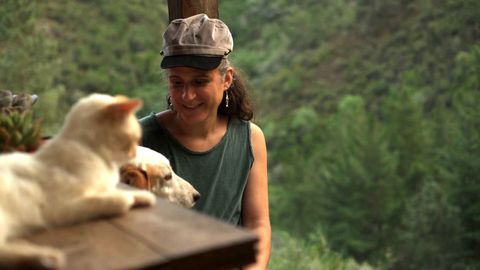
x,y
239,103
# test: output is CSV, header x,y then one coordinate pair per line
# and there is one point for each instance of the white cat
x,y
70,179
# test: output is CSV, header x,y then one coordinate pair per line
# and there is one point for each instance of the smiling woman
x,y
206,133
196,94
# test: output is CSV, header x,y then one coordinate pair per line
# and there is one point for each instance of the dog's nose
x,y
196,197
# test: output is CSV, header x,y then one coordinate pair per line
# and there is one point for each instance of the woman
x,y
206,132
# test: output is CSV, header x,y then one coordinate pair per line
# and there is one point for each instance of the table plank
x,y
188,238
164,236
97,245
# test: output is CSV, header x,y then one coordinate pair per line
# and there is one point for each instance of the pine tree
x,y
461,151
358,195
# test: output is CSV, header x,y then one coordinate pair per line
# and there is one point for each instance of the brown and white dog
x,y
151,171
72,178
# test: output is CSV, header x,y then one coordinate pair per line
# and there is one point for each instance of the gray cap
x,y
197,41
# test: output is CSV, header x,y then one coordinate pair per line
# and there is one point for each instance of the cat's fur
x,y
70,179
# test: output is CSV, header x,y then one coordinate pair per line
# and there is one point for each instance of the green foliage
x,y
114,53
461,150
361,166
294,254
28,60
358,191
296,178
408,134
428,238
53,50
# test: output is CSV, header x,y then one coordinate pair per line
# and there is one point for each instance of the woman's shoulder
x,y
257,136
154,120
154,133
148,120
153,124
256,130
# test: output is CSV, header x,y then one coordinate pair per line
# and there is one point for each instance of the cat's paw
x,y
53,259
143,198
24,255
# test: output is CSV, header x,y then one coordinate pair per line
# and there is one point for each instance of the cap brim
x,y
193,61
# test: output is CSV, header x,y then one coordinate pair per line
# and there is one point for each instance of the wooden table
x,y
164,236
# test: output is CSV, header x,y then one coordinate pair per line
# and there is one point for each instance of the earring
x,y
226,99
170,104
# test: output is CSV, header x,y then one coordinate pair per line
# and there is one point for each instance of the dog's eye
x,y
168,176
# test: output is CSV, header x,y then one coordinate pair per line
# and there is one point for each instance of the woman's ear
x,y
228,80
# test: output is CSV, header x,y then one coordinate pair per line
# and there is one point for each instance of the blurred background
x,y
370,110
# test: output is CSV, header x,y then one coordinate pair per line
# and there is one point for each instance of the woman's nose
x,y
188,93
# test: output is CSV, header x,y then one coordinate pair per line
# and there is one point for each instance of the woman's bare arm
x,y
255,201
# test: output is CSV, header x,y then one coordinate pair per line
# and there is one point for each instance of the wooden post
x,y
186,8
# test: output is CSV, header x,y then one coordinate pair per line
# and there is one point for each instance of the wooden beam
x,y
186,8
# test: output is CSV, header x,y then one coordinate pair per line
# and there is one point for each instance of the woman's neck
x,y
201,136
199,130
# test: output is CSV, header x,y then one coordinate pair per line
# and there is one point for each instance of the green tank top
x,y
219,174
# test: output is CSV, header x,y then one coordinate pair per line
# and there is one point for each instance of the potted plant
x,y
19,131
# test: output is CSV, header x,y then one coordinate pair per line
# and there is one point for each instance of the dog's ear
x,y
133,176
121,107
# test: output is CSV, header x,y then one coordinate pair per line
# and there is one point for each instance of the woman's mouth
x,y
192,107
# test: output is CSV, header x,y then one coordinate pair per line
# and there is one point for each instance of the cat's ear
x,y
122,107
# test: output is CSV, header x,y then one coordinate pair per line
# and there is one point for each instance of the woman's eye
x,y
199,82
176,84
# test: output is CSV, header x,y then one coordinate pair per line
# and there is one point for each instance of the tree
x,y
358,196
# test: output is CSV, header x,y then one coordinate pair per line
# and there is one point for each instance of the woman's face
x,y
196,94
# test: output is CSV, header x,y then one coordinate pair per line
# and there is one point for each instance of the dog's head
x,y
106,123
151,170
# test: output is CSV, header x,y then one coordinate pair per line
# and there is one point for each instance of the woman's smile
x,y
192,107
